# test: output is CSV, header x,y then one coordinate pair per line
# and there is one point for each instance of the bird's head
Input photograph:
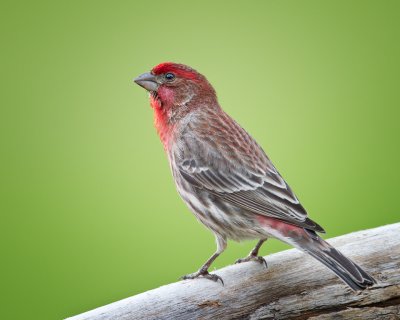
x,y
174,86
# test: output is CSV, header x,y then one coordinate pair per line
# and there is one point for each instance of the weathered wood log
x,y
295,286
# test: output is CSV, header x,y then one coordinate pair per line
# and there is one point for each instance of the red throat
x,y
161,121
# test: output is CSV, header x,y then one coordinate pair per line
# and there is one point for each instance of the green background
x,y
89,211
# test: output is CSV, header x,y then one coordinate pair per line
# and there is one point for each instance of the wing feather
x,y
244,178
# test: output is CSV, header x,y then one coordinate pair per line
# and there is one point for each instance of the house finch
x,y
226,179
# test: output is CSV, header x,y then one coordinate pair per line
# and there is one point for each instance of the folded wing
x,y
244,177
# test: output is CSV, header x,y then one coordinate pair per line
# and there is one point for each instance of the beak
x,y
147,81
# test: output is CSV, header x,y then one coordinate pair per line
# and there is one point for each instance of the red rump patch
x,y
284,228
178,69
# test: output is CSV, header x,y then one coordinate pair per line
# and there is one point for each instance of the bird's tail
x,y
309,242
351,273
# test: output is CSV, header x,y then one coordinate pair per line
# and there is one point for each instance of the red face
x,y
174,85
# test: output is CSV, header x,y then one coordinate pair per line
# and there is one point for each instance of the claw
x,y
263,261
258,259
214,277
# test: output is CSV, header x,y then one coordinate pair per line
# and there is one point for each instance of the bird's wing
x,y
233,166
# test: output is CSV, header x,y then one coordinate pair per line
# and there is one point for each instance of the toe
x,y
253,258
203,274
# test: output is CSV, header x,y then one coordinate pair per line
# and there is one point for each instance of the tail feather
x,y
309,242
351,273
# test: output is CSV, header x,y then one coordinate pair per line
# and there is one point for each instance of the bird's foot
x,y
251,257
203,274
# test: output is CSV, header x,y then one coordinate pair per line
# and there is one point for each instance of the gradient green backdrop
x,y
89,212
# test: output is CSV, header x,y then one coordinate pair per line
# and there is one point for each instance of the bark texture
x,y
295,286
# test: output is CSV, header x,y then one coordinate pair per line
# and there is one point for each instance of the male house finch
x,y
225,177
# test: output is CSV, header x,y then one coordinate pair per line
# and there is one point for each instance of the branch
x,y
295,286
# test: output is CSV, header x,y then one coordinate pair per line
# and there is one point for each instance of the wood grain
x,y
295,286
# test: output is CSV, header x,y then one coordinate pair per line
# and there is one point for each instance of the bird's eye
x,y
169,76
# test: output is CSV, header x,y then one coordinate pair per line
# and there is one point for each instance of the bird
x,y
226,179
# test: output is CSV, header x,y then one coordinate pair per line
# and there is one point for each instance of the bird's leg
x,y
203,271
253,255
